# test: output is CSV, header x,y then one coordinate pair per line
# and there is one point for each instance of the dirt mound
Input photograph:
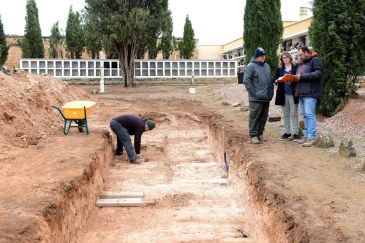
x,y
26,113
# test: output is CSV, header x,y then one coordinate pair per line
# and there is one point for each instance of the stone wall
x,y
15,51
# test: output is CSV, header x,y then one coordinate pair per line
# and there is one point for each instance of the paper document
x,y
286,78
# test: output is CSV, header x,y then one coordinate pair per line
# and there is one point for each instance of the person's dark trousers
x,y
259,112
123,139
119,149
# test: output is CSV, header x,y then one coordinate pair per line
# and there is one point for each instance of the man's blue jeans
x,y
308,110
123,139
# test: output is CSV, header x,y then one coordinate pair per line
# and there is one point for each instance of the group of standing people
x,y
304,90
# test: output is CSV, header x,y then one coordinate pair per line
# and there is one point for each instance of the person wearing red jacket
x,y
309,91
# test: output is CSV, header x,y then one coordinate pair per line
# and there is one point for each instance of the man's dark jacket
x,y
135,126
310,83
280,92
258,81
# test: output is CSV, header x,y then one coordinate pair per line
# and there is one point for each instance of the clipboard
x,y
286,78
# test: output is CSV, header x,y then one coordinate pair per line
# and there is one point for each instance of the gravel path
x,y
231,93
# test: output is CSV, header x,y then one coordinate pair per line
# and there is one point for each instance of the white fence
x,y
78,68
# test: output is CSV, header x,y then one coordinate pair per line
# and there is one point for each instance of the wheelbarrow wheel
x,y
79,126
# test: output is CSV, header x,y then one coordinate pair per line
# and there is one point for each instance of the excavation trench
x,y
187,200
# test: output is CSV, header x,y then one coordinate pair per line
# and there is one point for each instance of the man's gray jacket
x,y
258,81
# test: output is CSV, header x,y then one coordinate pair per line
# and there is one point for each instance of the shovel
x,y
225,173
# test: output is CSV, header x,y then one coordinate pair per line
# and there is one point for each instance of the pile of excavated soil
x,y
26,113
40,184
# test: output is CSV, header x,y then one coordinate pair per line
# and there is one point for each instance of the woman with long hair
x,y
285,97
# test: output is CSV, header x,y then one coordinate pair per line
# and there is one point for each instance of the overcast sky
x,y
214,21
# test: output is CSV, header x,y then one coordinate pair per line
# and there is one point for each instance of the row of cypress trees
x,y
32,43
82,33
121,28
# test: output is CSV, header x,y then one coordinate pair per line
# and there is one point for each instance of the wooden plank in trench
x,y
120,202
121,195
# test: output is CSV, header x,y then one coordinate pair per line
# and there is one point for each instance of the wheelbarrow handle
x,y
60,111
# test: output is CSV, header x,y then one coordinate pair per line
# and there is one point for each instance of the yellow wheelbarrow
x,y
76,112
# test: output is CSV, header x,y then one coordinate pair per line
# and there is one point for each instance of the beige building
x,y
234,50
295,34
210,52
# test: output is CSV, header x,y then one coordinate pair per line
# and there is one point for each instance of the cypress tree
x,y
141,50
55,42
187,45
337,34
93,38
159,25
152,47
74,34
32,43
3,46
166,39
356,55
175,43
262,28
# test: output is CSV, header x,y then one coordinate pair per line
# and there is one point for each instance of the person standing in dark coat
x,y
126,125
260,87
285,97
309,91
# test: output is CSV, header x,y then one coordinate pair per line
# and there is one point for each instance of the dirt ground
x,y
276,192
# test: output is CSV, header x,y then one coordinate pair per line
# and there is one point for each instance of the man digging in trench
x,y
126,125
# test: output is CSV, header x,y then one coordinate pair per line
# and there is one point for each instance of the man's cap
x,y
150,124
259,52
